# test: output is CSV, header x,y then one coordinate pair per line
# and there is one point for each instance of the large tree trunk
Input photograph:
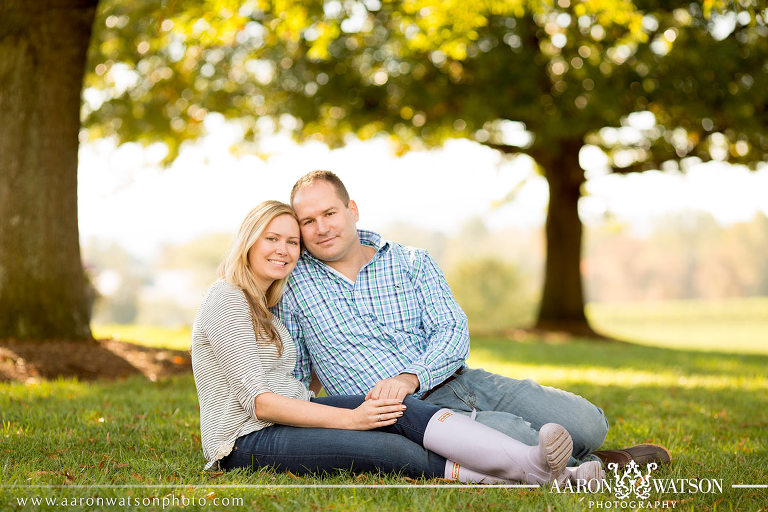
x,y
562,301
43,289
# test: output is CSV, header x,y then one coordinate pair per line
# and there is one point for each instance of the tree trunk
x,y
43,289
562,301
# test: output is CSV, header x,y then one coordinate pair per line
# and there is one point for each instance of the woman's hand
x,y
374,414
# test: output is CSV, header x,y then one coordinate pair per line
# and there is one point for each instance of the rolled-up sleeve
x,y
227,323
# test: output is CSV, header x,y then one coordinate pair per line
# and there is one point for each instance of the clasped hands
x,y
383,404
394,387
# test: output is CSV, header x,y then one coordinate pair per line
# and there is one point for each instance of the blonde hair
x,y
236,270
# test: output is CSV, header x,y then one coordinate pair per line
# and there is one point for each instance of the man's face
x,y
327,224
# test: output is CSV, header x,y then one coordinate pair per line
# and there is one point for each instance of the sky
x,y
125,196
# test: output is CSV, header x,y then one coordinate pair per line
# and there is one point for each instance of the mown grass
x,y
709,408
150,335
728,325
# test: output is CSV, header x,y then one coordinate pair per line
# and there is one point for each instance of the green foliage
x,y
566,73
422,71
709,409
493,294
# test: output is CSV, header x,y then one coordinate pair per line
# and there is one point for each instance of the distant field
x,y
152,336
729,325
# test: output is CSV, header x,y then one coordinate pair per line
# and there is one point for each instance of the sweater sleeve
x,y
227,323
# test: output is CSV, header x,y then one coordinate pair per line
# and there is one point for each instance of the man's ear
x,y
353,208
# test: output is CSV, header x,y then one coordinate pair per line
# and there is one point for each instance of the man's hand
x,y
394,387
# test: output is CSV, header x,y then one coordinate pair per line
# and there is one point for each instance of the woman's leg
x,y
319,450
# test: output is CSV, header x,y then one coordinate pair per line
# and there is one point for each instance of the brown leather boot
x,y
641,453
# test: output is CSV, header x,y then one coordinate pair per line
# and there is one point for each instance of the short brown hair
x,y
320,175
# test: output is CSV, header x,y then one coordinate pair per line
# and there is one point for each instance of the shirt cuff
x,y
422,373
252,386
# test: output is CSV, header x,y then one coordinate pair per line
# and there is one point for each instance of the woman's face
x,y
274,254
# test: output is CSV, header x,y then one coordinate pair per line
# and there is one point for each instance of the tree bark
x,y
43,289
562,301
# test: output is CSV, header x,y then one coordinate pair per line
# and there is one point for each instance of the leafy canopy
x,y
520,75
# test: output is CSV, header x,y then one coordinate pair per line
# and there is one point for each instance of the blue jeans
x,y
395,448
519,408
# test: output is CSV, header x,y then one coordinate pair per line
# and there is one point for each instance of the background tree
x,y
424,71
44,293
418,70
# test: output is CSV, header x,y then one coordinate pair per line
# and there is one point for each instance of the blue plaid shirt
x,y
399,316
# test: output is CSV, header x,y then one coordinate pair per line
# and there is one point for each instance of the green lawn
x,y
727,325
178,338
710,408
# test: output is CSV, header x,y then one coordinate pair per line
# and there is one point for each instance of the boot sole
x,y
589,471
558,446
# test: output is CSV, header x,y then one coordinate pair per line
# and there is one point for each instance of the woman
x,y
251,405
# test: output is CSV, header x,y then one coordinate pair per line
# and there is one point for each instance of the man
x,y
377,318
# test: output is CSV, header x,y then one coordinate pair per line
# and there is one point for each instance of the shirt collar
x,y
373,239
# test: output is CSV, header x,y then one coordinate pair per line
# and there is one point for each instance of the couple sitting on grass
x,y
305,299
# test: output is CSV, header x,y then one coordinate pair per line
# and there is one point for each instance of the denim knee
x,y
592,431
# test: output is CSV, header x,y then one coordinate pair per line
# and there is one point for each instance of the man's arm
x,y
446,330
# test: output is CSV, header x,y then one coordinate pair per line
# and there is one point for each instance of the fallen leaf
x,y
39,473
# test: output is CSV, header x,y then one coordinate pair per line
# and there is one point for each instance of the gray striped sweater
x,y
232,368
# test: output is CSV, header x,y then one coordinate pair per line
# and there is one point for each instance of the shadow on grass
x,y
87,360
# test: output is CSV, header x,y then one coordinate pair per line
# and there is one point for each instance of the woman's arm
x,y
300,413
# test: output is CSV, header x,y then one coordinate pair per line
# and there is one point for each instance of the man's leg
x,y
519,408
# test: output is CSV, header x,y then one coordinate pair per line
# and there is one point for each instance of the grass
x,y
177,338
727,325
709,408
